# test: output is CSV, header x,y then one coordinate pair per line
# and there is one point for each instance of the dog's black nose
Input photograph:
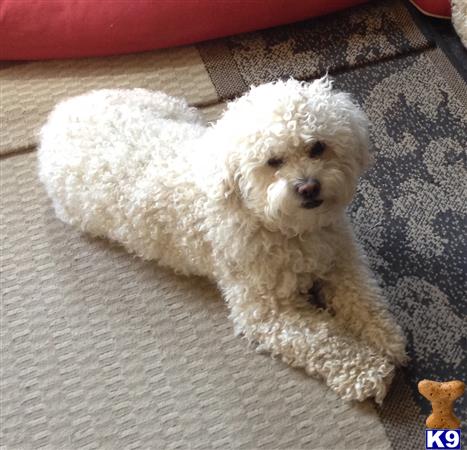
x,y
308,189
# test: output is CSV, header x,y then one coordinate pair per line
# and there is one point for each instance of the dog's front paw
x,y
371,382
394,348
391,344
366,375
397,353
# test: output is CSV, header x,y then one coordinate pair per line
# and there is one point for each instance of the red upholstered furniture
x,y
37,29
434,8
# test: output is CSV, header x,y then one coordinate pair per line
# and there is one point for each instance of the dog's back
x,y
115,163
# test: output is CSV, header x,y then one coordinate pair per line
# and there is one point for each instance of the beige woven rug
x,y
28,91
102,350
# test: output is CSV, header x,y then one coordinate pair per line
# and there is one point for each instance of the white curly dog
x,y
256,202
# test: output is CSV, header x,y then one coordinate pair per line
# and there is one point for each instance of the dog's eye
x,y
275,162
317,149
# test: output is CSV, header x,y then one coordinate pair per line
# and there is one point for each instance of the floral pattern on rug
x,y
410,210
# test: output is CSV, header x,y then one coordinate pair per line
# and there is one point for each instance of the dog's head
x,y
292,153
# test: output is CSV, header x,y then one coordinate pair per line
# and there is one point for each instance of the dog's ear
x,y
360,125
217,165
226,185
320,85
227,180
230,178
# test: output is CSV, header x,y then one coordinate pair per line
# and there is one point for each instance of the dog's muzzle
x,y
309,191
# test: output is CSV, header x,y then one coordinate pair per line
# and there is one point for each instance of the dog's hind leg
x,y
137,103
311,339
167,106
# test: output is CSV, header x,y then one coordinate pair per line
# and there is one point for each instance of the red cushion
x,y
434,8
36,29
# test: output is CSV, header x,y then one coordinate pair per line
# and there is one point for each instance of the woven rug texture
x,y
102,350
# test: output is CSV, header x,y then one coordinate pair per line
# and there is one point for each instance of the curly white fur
x,y
459,19
140,168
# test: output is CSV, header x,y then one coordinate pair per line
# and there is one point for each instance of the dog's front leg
x,y
354,296
306,337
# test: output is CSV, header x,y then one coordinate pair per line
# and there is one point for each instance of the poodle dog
x,y
256,202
